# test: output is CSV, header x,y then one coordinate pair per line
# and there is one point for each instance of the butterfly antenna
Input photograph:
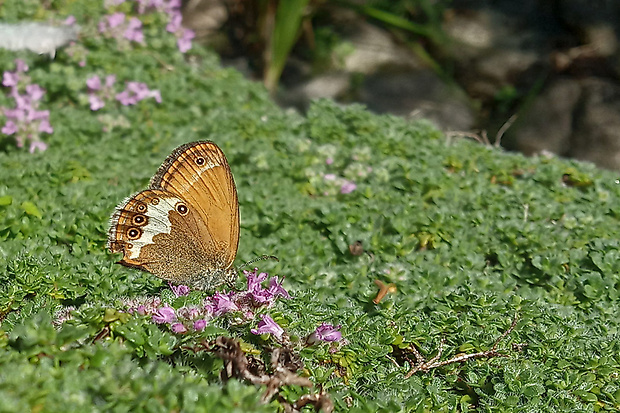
x,y
261,258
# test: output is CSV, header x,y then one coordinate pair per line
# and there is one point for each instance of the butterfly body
x,y
185,227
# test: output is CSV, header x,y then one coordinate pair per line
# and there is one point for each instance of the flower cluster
x,y
25,121
195,318
346,186
325,332
242,305
117,25
134,92
98,92
184,36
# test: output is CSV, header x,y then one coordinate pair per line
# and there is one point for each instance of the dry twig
x,y
421,364
284,365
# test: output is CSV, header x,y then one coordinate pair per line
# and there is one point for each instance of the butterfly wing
x,y
158,231
199,173
185,228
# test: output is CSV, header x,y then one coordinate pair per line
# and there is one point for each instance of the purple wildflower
x,y
135,92
178,328
143,305
184,36
37,145
96,102
208,305
347,187
69,21
200,325
179,290
325,332
93,83
99,93
25,121
189,313
254,281
35,92
44,126
276,288
9,127
118,26
261,295
141,310
10,79
134,31
184,43
223,303
175,23
164,314
268,326
116,19
21,66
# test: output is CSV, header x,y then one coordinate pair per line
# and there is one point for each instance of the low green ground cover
x,y
468,235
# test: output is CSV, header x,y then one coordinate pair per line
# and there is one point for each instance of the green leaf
x,y
31,209
6,200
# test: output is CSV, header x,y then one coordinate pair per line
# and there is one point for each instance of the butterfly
x,y
185,227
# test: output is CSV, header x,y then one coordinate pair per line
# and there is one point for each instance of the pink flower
x,y
9,128
178,328
96,102
261,295
175,23
329,161
325,332
35,92
179,290
184,43
21,65
69,21
17,114
97,92
254,281
37,145
268,326
141,309
223,303
208,305
135,92
184,36
190,313
134,31
200,325
329,177
348,187
10,79
109,80
115,19
276,289
164,314
93,83
155,94
45,126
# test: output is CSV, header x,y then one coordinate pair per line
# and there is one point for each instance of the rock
x,y
547,124
596,134
328,85
419,94
375,49
574,118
